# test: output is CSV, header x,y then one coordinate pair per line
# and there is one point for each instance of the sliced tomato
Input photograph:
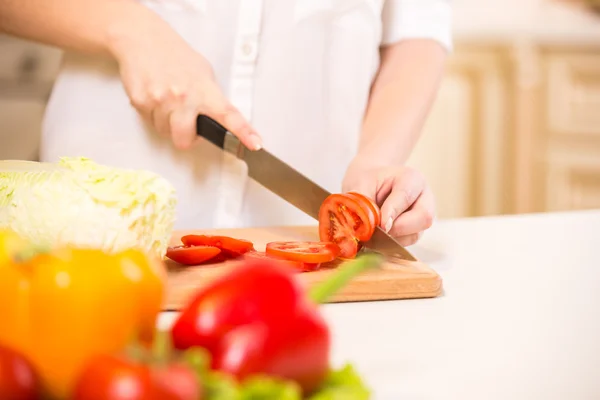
x,y
230,247
366,205
370,203
308,252
346,220
348,247
297,265
192,255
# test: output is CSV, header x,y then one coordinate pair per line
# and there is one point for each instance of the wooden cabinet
x,y
464,148
572,129
515,128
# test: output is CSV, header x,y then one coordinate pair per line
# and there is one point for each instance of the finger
x,y
164,101
407,187
182,124
221,110
145,100
161,118
409,239
417,219
364,185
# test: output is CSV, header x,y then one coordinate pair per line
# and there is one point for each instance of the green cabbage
x,y
81,203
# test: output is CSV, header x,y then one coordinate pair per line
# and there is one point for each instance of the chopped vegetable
x,y
192,255
256,320
199,249
308,252
230,247
293,265
18,378
347,220
78,202
66,305
370,203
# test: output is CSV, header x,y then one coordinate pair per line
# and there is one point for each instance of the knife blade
x,y
385,244
289,184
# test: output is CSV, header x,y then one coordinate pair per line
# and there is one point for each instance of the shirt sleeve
x,y
407,19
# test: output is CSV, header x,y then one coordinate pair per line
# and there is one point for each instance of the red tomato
x,y
309,252
18,379
370,203
176,382
114,378
229,246
297,265
346,220
192,255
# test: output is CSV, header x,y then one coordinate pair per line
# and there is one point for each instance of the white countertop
x,y
520,317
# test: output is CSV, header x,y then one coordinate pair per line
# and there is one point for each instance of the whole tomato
x,y
111,377
176,382
18,379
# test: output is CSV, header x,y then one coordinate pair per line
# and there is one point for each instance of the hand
x,y
406,201
170,84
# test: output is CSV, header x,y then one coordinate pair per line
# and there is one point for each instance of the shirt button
x,y
247,49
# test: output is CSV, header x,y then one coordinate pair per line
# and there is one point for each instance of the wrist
x,y
371,158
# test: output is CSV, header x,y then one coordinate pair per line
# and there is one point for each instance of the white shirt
x,y
300,71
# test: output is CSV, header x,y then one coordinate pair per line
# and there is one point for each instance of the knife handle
x,y
211,130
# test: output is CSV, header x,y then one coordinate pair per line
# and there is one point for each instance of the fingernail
x,y
389,223
256,142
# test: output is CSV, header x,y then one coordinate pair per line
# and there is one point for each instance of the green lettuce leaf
x,y
268,388
342,384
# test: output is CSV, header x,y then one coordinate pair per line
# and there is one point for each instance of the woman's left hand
x,y
406,201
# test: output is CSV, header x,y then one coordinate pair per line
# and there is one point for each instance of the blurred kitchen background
x,y
516,126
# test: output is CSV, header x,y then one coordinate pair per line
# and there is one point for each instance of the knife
x,y
287,183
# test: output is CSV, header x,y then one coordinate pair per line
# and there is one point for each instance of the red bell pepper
x,y
258,320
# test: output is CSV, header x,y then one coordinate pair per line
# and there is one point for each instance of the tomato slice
x,y
297,265
370,203
348,247
309,252
346,220
230,247
366,206
192,255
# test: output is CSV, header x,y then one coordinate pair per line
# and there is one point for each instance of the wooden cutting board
x,y
395,280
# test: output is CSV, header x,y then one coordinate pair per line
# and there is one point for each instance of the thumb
x,y
404,193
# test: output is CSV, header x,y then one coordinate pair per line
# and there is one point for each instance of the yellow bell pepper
x,y
62,307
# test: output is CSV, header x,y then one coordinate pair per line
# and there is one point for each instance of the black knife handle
x,y
211,130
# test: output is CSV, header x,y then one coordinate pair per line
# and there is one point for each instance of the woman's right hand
x,y
170,84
